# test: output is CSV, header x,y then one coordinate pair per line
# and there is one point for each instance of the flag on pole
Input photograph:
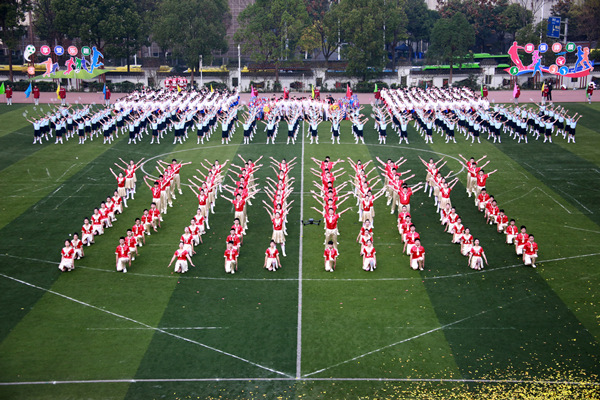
x,y
515,90
104,90
313,91
2,91
481,89
178,88
58,90
211,88
375,91
28,92
348,91
543,86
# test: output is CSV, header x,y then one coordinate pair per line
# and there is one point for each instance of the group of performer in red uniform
x,y
278,192
329,200
241,196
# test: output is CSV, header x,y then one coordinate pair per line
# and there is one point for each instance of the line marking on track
x,y
439,328
249,379
299,329
465,274
143,324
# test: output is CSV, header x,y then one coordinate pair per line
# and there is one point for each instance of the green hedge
x,y
369,87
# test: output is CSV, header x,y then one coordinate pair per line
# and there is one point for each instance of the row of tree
x,y
365,32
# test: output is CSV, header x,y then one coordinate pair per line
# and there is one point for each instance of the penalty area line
x,y
143,324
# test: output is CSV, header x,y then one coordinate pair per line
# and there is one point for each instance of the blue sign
x,y
554,27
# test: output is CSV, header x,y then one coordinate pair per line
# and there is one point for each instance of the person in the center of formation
x,y
330,254
231,258
272,262
369,257
331,224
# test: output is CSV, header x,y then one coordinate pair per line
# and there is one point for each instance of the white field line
x,y
250,379
150,329
465,274
69,196
541,190
439,328
577,201
300,248
581,229
64,173
143,324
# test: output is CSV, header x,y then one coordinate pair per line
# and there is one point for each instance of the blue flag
x,y
104,90
28,92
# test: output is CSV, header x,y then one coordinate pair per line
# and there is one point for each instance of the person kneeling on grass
x,y
67,254
231,258
272,262
182,257
530,250
417,256
477,256
330,255
369,258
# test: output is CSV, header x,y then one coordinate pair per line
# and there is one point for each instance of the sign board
x,y
554,27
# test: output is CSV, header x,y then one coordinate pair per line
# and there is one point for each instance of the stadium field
x,y
508,331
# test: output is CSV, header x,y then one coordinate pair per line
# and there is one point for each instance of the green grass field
x,y
447,332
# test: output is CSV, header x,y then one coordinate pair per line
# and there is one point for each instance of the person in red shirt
x,y
286,93
77,246
36,95
107,97
477,256
195,231
155,189
520,240
369,257
417,256
156,218
588,94
530,252
330,254
233,238
331,223
517,94
485,92
123,256
482,199
401,218
272,262
511,232
67,255
62,95
466,242
146,222
409,239
138,232
182,257
131,242
501,221
481,179
404,195
231,258
87,233
8,92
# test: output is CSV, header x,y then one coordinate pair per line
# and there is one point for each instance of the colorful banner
x,y
583,66
76,67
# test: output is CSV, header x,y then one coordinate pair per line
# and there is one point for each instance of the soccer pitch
x,y
508,331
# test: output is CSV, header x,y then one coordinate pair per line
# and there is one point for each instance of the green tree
x,y
395,22
420,21
485,17
44,22
362,32
270,30
309,40
12,15
191,28
451,39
